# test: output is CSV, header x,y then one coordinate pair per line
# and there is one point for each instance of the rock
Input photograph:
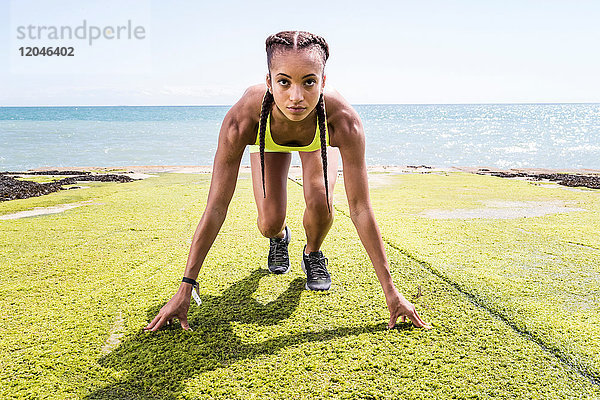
x,y
11,188
53,172
571,180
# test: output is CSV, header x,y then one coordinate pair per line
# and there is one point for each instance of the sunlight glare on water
x,y
493,135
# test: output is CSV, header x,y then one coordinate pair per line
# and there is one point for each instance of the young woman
x,y
292,113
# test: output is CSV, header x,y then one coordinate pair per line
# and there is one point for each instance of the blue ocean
x,y
493,135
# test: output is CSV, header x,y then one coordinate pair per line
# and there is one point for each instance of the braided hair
x,y
295,40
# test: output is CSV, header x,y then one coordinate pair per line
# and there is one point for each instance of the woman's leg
x,y
272,209
317,219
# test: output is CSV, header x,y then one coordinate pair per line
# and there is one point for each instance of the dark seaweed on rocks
x,y
53,172
571,180
11,188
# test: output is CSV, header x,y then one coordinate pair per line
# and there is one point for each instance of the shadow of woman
x,y
156,365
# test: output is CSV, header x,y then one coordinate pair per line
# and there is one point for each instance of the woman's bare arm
x,y
224,177
350,138
236,132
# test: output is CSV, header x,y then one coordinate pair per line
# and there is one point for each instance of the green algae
x,y
68,279
40,178
539,273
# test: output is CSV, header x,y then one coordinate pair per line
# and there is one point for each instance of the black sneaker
x,y
279,260
314,266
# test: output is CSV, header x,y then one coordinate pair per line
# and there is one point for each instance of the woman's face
x,y
296,81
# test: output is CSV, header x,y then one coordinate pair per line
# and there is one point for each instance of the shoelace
x,y
279,253
317,265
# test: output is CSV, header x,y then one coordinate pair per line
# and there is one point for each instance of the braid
x,y
296,40
264,114
321,120
275,39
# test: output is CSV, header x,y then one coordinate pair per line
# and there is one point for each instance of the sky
x,y
381,52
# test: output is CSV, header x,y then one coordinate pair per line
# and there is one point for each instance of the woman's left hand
x,y
400,307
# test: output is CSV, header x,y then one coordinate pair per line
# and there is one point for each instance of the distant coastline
x,y
23,184
194,169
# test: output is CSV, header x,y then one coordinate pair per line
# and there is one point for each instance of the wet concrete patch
x,y
37,211
379,180
500,209
140,175
116,334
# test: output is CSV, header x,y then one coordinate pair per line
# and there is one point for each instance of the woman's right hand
x,y
398,306
177,307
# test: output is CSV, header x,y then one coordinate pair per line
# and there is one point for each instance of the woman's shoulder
x,y
342,118
248,106
245,113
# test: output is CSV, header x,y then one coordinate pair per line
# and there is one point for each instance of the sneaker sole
x,y
279,272
316,290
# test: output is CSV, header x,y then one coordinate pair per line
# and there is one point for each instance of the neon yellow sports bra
x,y
271,146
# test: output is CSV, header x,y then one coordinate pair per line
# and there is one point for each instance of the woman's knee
x,y
271,226
317,205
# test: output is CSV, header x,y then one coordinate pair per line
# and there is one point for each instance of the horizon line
x,y
355,104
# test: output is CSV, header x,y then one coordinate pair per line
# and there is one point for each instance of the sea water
x,y
493,135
